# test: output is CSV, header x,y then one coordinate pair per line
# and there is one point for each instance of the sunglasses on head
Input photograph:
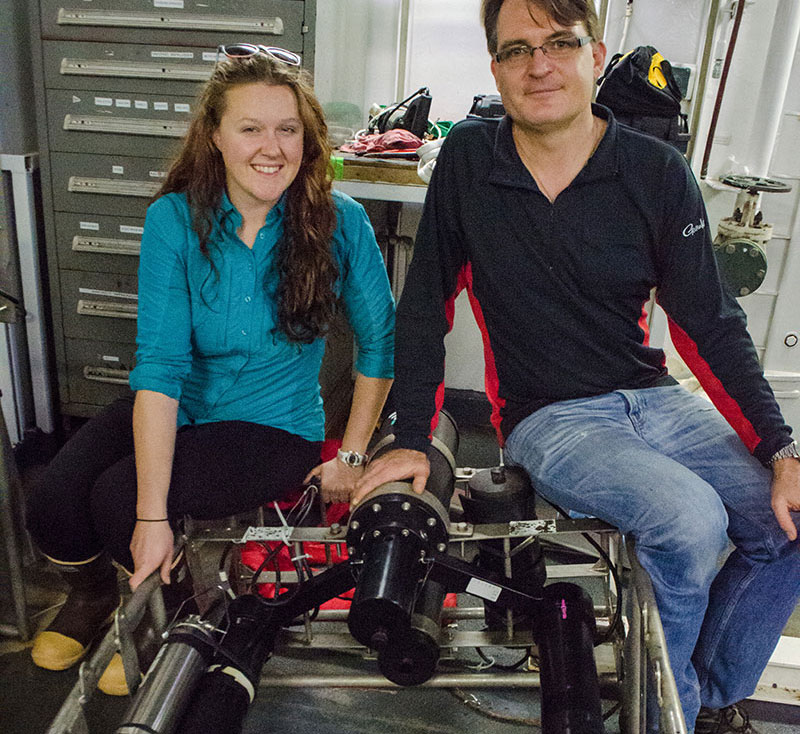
x,y
248,50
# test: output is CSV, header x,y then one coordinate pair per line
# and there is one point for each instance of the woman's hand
x,y
152,547
337,480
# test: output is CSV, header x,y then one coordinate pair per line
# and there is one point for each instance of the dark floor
x,y
30,697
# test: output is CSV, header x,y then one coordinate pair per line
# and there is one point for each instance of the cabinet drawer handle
x,y
114,187
129,126
106,374
107,309
135,70
170,21
105,246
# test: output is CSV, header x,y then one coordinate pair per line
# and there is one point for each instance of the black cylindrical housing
x,y
499,495
410,659
384,595
564,633
221,697
171,680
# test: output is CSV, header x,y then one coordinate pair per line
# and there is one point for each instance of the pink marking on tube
x,y
563,609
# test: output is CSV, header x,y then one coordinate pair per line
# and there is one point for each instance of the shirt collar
x,y
229,214
509,170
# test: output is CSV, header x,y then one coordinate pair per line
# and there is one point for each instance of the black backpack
x,y
640,88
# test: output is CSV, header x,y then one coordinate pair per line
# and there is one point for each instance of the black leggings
x,y
86,500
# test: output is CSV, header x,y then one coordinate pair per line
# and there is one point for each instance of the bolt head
x,y
442,547
376,507
355,525
406,506
431,522
376,533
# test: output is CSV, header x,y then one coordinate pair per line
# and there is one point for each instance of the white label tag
x,y
130,229
118,169
158,174
104,101
483,589
110,294
122,102
172,54
163,106
168,4
93,226
140,104
109,358
209,55
182,107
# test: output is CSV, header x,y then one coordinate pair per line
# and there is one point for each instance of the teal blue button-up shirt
x,y
209,339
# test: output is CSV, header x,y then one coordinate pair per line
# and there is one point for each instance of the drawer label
x,y
168,4
129,229
164,106
172,54
93,226
104,101
109,294
122,102
182,107
140,104
158,174
210,55
109,358
118,169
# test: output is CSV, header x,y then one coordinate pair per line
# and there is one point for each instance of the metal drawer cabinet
x,y
97,371
98,243
99,306
181,22
105,184
111,123
126,67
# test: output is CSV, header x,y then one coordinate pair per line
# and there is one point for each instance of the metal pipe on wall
x,y
772,96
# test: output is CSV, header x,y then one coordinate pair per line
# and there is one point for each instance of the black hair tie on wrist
x,y
162,519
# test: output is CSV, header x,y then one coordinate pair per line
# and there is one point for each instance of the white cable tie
x,y
300,557
286,528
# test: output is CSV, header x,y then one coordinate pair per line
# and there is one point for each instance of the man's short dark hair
x,y
564,12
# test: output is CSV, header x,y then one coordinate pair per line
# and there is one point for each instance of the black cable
x,y
616,619
500,666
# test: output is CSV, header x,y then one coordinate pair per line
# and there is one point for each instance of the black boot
x,y
90,605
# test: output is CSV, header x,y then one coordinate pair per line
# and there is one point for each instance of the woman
x,y
246,255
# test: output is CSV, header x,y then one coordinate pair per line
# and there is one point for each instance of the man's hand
x,y
337,480
393,466
152,547
786,494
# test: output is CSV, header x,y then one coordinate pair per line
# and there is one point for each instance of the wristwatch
x,y
351,458
787,452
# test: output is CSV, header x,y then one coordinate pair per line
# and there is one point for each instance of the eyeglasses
x,y
248,50
558,48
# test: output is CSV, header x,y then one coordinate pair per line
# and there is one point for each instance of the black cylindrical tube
x,y
498,495
564,634
410,659
171,680
384,596
221,698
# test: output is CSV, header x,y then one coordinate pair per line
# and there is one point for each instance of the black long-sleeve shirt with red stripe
x,y
558,289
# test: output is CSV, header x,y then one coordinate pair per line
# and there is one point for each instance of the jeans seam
x,y
730,607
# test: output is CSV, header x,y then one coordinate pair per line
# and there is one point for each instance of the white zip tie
x,y
302,555
286,528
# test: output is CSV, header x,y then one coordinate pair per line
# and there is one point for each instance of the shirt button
x,y
261,236
247,299
244,333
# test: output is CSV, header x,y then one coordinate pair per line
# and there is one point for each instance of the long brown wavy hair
x,y
306,265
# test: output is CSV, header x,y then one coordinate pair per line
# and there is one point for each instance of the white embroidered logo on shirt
x,y
691,229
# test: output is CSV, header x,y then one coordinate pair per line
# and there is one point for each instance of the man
x,y
559,222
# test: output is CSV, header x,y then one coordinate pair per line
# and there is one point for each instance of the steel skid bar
x,y
71,717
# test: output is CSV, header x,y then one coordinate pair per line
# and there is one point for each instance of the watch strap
x,y
790,451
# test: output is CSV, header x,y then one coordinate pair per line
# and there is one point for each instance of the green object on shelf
x,y
337,164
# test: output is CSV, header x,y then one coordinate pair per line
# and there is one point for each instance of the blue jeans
x,y
664,466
